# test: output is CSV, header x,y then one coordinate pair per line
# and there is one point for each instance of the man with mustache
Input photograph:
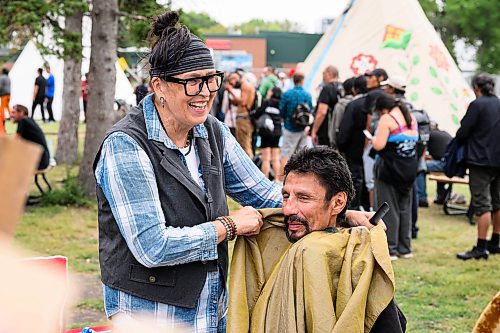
x,y
321,276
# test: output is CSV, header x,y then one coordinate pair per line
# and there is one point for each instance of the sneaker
x,y
474,253
408,255
394,257
492,249
423,203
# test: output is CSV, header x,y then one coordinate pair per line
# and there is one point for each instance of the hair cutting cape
x,y
326,282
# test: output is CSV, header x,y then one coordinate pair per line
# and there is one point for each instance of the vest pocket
x,y
161,276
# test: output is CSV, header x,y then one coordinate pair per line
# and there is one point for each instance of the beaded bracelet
x,y
229,225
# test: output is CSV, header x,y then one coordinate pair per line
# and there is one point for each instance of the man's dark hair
x,y
5,71
22,109
40,71
485,83
298,78
330,168
348,85
276,93
360,85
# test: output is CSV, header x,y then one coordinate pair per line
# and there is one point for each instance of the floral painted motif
x,y
363,63
396,38
439,57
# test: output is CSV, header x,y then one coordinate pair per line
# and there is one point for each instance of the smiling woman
x,y
163,173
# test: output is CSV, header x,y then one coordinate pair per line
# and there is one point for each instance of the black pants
x,y
49,108
38,101
358,180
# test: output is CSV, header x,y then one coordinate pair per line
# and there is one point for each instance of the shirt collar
x,y
156,131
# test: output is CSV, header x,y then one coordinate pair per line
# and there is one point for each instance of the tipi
x,y
397,36
23,76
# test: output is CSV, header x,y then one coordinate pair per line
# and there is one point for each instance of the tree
x,y
474,22
101,81
67,139
33,19
255,25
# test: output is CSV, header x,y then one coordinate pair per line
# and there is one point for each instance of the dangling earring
x,y
162,102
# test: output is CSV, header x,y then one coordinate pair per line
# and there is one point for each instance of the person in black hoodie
x,y
269,128
480,132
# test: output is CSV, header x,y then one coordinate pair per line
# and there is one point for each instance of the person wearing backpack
x,y
480,133
268,126
294,102
338,111
328,98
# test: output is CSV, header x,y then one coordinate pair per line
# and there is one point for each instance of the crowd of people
x,y
165,170
389,145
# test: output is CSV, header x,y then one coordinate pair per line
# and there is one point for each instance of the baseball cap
x,y
396,82
378,72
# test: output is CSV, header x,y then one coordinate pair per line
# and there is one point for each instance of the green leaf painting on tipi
x,y
454,107
396,38
416,60
414,96
455,119
415,81
403,66
437,90
433,71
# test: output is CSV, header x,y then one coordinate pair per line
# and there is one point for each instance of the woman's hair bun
x,y
163,22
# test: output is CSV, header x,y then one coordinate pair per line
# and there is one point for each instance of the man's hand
x,y
356,219
314,136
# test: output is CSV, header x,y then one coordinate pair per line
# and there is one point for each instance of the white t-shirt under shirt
x,y
192,161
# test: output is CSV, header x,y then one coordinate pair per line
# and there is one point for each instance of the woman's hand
x,y
248,221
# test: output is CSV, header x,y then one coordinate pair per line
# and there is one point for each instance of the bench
x,y
448,207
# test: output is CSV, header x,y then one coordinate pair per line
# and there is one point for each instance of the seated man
x,y
316,275
28,129
438,141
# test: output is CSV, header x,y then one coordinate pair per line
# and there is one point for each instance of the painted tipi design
x,y
397,36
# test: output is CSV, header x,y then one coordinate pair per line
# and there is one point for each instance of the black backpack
x,y
302,116
424,128
257,102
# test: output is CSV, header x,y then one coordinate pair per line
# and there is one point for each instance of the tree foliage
x,y
474,22
255,25
24,20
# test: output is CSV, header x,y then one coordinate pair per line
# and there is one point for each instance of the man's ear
x,y
338,203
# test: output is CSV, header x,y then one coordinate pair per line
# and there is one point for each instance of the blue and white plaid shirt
x,y
126,176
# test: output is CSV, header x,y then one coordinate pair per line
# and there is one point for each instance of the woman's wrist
x,y
221,231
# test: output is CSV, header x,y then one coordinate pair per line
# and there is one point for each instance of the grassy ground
x,y
437,292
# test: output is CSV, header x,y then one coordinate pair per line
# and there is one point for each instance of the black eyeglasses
x,y
193,86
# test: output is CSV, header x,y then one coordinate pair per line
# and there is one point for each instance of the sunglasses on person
x,y
193,86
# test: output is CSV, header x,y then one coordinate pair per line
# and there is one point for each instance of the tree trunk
x,y
101,82
67,138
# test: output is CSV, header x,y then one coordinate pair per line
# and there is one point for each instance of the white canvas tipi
x,y
397,36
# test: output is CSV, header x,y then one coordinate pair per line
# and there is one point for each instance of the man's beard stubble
x,y
296,218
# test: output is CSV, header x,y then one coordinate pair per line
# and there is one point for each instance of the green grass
x,y
436,291
91,304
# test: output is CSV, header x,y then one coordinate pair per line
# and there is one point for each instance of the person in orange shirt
x,y
5,98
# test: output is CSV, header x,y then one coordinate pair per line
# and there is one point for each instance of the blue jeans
x,y
432,166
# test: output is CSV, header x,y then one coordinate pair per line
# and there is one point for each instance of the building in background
x,y
267,48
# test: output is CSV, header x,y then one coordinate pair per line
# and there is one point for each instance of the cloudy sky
x,y
307,13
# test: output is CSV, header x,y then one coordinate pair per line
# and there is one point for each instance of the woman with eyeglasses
x,y
163,173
